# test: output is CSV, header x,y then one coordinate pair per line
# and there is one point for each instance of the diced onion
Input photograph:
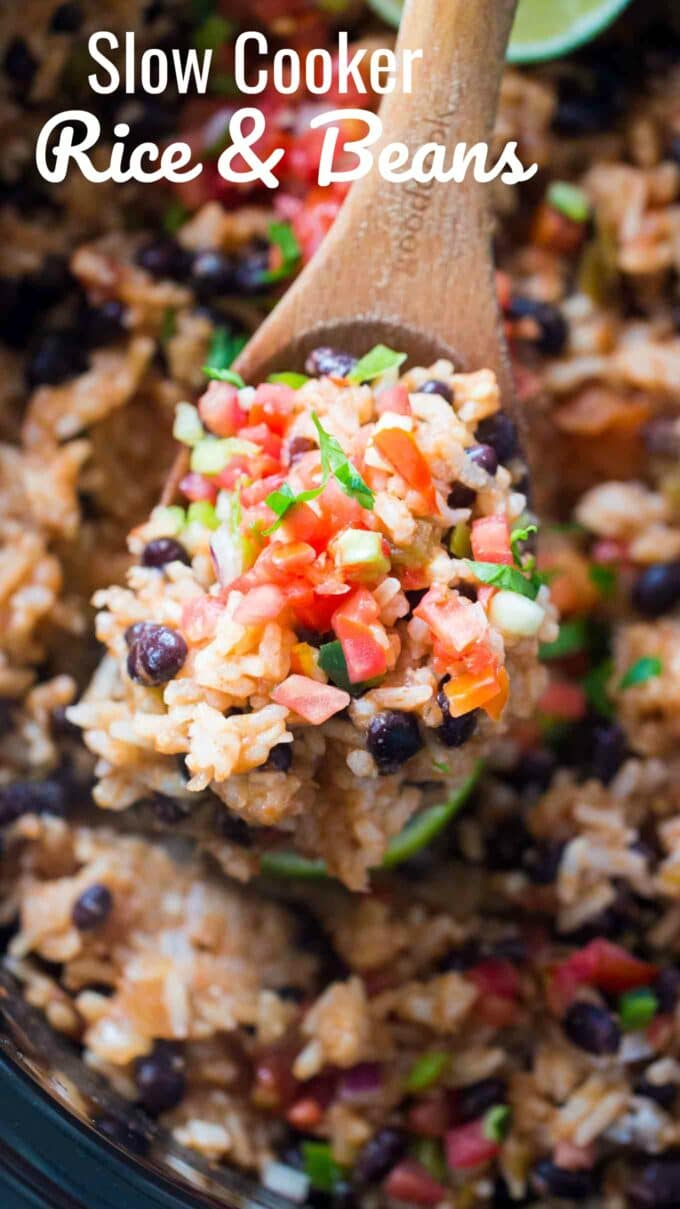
x,y
515,614
286,1181
226,548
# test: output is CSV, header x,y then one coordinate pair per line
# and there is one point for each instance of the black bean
x,y
291,994
500,432
212,274
135,631
552,326
667,988
52,281
123,1134
473,1101
280,757
663,1094
484,456
104,324
463,957
20,65
156,655
330,362
163,257
164,550
550,1180
168,810
461,496
67,19
379,1155
251,272
92,908
393,737
592,1028
160,1078
658,1184
657,589
231,827
534,770
454,732
57,356
507,844
543,861
591,97
31,797
433,387
662,434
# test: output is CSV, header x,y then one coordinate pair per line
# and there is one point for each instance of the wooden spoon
x,y
409,265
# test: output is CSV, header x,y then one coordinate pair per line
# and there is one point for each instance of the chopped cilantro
x,y
168,325
441,766
603,578
376,363
569,200
501,576
519,535
213,32
427,1070
334,461
284,238
323,1171
224,375
175,216
644,669
572,638
495,1122
637,1008
225,347
295,381
595,687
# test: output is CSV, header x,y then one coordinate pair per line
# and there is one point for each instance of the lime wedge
x,y
544,29
547,29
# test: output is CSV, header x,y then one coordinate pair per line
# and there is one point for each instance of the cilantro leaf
x,y
335,461
295,381
603,578
284,238
225,347
501,576
640,672
595,687
375,364
572,638
519,535
224,375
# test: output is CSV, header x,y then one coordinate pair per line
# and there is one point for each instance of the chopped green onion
x,y
572,638
495,1122
224,375
459,541
171,519
284,238
187,427
175,216
376,363
295,381
637,1008
212,454
213,32
416,835
320,1166
427,1070
501,576
640,672
201,512
604,578
569,200
225,347
595,686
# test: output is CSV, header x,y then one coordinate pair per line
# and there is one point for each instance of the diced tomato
x,y
467,1147
305,1113
394,399
269,442
360,606
401,450
303,524
291,557
562,699
610,551
495,977
314,219
273,405
365,655
197,487
257,492
264,603
341,510
600,964
200,616
455,622
430,1117
413,579
314,702
234,472
220,410
553,230
312,609
411,1182
503,289
491,540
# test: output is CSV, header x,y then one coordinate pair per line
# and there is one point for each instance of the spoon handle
x,y
408,254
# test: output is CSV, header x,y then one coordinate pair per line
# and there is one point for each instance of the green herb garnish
x,y
213,32
282,235
175,216
168,325
376,363
295,381
427,1070
320,1166
640,672
595,687
224,375
495,1122
333,462
332,661
430,1154
521,534
569,200
637,1008
225,347
603,578
572,638
498,575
